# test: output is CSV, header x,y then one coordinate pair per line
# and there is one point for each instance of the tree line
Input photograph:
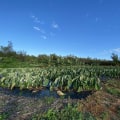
x,y
9,57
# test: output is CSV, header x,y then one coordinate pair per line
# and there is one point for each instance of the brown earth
x,y
103,105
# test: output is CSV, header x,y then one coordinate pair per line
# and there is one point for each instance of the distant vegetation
x,y
11,58
64,75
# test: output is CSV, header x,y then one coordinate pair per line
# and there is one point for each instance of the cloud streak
x,y
35,19
44,37
55,25
39,29
115,50
49,30
36,28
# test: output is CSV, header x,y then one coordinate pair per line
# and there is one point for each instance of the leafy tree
x,y
7,49
21,55
43,59
115,58
54,59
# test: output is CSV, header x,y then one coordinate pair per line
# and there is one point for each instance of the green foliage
x,y
68,113
14,59
7,49
115,59
63,78
113,91
4,116
105,116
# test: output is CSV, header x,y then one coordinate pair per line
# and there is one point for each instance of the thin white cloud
x,y
39,29
35,19
55,25
105,52
33,16
44,37
116,50
36,28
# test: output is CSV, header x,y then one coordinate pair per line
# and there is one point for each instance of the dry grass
x,y
102,104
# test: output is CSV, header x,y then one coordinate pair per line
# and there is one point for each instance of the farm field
x,y
65,92
60,60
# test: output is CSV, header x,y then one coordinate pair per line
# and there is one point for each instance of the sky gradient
x,y
84,28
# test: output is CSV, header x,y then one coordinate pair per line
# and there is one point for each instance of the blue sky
x,y
84,28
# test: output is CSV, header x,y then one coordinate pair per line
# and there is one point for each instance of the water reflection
x,y
44,93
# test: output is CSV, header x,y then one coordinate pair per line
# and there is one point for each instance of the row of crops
x,y
63,78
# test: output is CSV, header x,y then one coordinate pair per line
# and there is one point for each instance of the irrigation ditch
x,y
22,104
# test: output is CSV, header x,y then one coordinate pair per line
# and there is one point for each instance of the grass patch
x,y
68,113
4,116
113,91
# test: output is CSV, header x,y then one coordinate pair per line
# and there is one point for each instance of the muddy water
x,y
44,93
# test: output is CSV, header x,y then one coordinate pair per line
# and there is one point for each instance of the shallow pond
x,y
44,93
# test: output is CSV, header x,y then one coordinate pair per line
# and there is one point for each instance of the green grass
x,y
114,91
68,113
4,116
113,87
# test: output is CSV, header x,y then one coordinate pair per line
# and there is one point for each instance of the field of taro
x,y
63,78
100,84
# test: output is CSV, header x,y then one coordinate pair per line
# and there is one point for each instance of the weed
x,y
4,116
113,91
68,113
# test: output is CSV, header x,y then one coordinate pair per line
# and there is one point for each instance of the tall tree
x,y
8,48
115,58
